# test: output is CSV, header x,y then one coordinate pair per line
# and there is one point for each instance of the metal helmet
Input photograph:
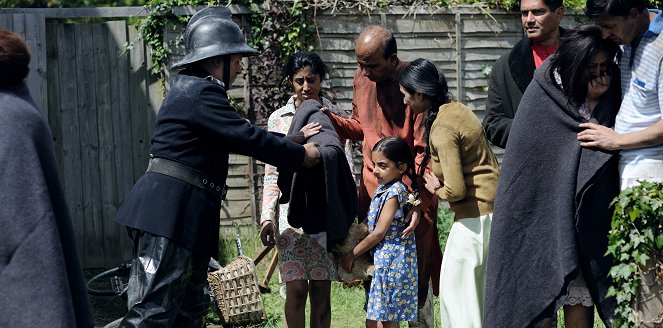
x,y
210,33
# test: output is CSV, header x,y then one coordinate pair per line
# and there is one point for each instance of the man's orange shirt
x,y
378,111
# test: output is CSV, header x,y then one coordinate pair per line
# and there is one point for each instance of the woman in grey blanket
x,y
552,212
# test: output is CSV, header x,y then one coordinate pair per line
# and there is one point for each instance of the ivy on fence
x,y
278,29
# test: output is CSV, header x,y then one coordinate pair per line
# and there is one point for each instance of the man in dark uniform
x,y
172,213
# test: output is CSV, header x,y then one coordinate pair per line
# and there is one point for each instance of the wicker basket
x,y
235,290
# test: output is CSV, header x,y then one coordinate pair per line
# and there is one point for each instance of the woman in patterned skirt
x,y
306,267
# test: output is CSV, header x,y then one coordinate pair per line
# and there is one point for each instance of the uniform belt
x,y
186,174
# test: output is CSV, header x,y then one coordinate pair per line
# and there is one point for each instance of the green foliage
x,y
574,4
445,219
152,28
511,4
68,3
500,4
635,238
278,30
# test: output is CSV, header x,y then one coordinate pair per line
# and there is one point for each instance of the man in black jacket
x,y
512,73
172,212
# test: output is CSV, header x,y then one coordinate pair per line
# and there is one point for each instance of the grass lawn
x,y
347,302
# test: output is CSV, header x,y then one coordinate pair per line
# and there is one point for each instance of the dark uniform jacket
x,y
510,76
196,126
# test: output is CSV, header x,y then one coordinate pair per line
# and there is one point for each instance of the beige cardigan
x,y
463,161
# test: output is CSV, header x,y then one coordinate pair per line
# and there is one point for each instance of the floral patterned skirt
x,y
305,257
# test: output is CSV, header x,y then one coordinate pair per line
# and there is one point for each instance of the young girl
x,y
464,173
393,294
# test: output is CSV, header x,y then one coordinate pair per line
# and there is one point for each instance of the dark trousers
x,y
168,284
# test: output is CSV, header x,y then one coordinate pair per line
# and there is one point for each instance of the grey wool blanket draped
x,y
41,279
552,215
324,197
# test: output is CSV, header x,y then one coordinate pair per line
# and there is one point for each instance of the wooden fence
x,y
101,104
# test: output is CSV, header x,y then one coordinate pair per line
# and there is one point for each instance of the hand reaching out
x,y
312,155
432,182
346,261
414,215
596,135
268,233
311,129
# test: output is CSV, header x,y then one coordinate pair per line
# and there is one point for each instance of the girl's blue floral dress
x,y
393,295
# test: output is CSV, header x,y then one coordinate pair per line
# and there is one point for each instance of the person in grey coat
x,y
41,279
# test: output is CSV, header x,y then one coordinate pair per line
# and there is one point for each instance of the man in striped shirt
x,y
638,130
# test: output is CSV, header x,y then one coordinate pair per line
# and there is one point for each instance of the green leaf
x,y
659,241
624,271
642,260
612,249
624,257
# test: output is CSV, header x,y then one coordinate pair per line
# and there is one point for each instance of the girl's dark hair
x,y
14,59
397,150
423,76
302,59
576,49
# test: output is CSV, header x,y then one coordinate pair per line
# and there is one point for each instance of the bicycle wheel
x,y
112,282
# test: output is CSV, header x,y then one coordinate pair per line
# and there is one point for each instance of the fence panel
x,y
102,105
101,121
65,123
118,78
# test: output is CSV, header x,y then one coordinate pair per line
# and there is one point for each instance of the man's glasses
x,y
535,12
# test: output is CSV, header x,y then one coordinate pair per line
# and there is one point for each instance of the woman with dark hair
x,y
305,265
464,173
552,212
37,235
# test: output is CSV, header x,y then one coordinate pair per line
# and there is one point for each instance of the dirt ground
x,y
107,309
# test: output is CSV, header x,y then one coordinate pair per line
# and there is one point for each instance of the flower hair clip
x,y
413,199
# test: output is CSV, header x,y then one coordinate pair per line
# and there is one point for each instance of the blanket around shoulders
x,y
41,278
552,214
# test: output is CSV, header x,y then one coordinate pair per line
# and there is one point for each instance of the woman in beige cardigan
x,y
465,173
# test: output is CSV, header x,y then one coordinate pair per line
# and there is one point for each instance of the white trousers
x,y
650,169
463,274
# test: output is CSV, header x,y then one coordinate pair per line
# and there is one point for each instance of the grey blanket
x,y
41,280
324,197
552,212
